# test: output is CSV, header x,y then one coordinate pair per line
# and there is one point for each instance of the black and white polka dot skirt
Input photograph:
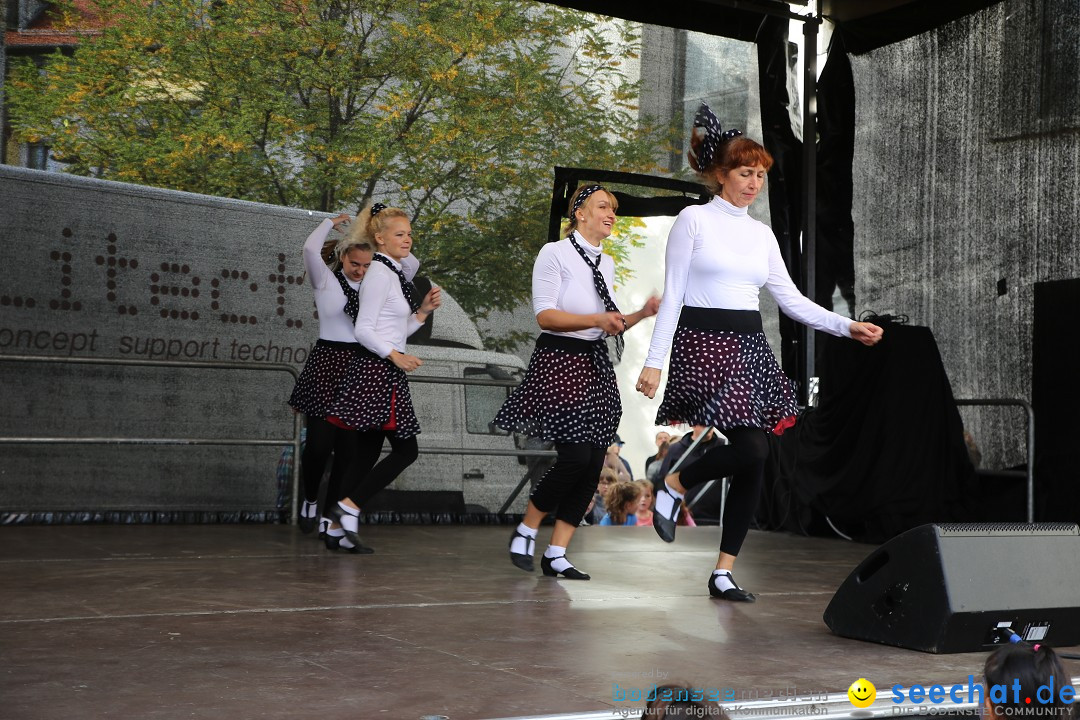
x,y
316,388
569,394
374,395
724,374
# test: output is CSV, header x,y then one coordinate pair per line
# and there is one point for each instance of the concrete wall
x,y
965,175
109,270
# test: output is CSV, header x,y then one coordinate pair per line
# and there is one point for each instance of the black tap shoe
x,y
523,560
570,573
357,549
307,525
334,543
664,525
338,516
735,594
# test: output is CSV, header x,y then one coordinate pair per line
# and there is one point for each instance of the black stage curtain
x,y
835,253
1055,395
891,22
864,24
785,176
882,453
835,230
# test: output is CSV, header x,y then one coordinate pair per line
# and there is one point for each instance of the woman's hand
x,y
651,307
408,363
648,382
611,323
866,333
342,219
431,301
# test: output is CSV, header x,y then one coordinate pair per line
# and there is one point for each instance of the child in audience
x,y
622,501
1032,666
645,507
597,509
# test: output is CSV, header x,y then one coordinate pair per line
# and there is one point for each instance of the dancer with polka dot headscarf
x,y
374,395
569,395
723,373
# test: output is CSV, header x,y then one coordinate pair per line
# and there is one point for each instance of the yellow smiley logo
x,y
862,693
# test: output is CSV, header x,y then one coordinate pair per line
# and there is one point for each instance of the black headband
x,y
582,196
377,208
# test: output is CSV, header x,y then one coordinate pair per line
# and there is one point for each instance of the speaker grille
x,y
1050,528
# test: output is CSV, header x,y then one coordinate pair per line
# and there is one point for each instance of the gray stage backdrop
x,y
102,269
966,159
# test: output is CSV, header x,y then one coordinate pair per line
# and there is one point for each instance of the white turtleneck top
x,y
719,257
334,324
561,280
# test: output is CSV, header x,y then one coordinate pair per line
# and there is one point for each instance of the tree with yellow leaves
x,y
456,110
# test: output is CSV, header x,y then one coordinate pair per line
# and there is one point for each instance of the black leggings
x,y
324,438
744,459
367,483
568,486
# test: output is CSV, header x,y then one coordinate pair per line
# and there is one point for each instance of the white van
x,y
458,418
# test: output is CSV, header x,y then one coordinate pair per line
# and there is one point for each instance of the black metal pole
x,y
809,214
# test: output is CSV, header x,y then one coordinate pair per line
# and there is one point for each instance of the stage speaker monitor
x,y
947,588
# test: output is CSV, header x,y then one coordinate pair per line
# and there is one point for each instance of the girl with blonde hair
x,y
334,268
374,397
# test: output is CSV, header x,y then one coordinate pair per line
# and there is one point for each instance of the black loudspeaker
x,y
949,588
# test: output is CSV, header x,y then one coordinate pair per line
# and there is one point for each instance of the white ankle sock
x,y
350,517
521,546
308,509
722,580
558,558
668,502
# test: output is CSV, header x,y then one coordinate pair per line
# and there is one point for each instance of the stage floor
x,y
255,621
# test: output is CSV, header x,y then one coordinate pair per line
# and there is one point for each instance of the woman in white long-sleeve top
x,y
569,395
374,396
723,373
335,267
